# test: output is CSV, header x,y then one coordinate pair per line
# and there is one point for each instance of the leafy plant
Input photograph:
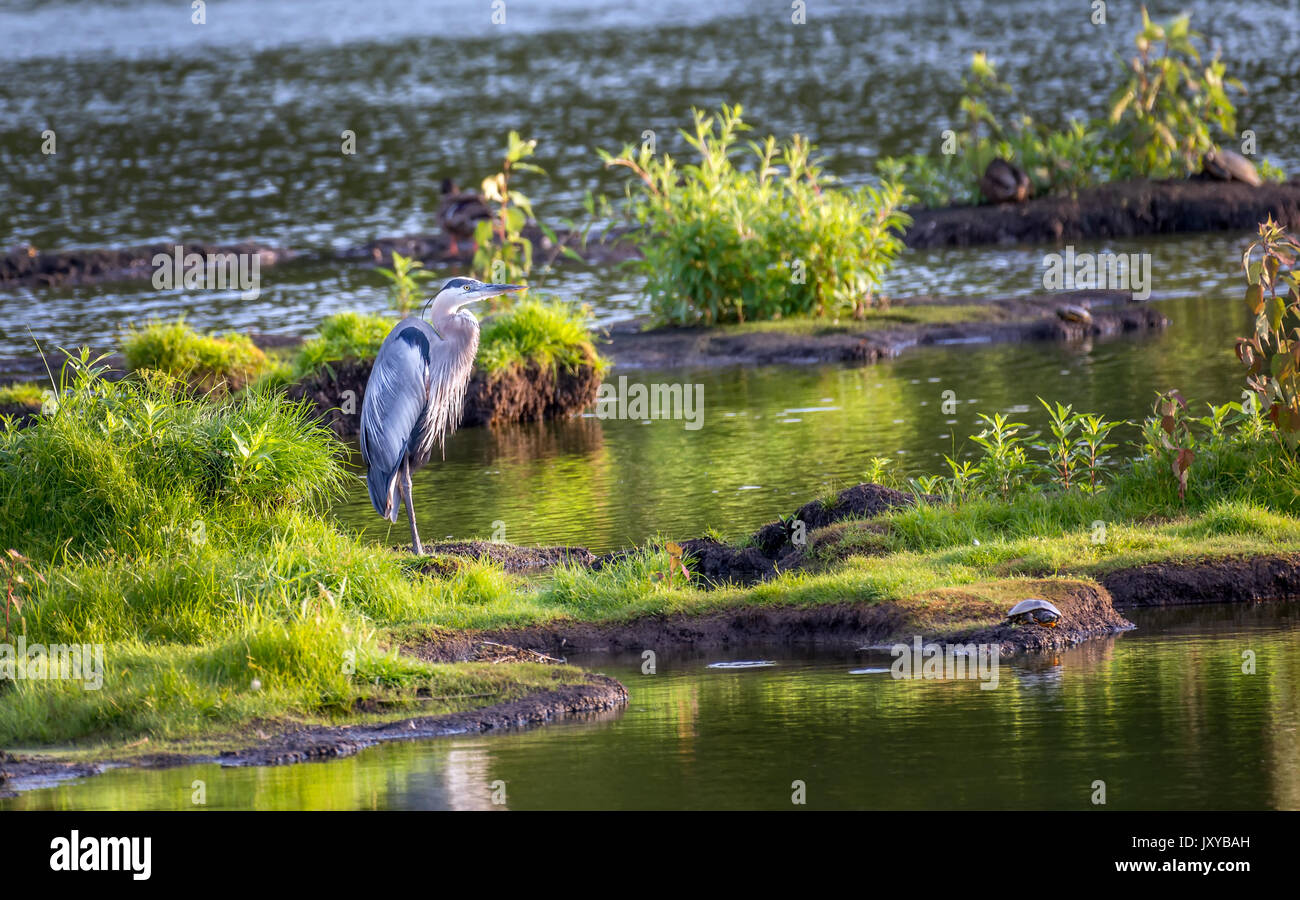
x,y
1272,354
502,253
777,239
1169,436
1091,447
1162,116
406,276
1160,120
1005,464
1062,451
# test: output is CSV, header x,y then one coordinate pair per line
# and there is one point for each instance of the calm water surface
x,y
1164,715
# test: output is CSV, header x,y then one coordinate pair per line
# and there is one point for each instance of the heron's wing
x,y
393,409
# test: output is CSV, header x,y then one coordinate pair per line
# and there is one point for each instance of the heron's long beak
x,y
493,290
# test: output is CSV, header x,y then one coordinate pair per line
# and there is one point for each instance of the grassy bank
x,y
184,536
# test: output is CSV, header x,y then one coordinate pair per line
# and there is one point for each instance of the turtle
x,y
1034,610
1004,183
1225,165
1071,313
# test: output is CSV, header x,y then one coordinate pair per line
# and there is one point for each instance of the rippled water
x,y
1164,715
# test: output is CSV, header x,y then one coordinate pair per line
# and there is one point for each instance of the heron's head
x,y
458,293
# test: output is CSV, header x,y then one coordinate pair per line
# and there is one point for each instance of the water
x,y
1164,715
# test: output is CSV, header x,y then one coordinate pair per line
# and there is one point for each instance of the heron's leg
x,y
408,496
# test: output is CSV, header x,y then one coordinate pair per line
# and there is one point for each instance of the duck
x,y
459,213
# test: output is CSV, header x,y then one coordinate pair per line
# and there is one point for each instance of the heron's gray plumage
x,y
416,393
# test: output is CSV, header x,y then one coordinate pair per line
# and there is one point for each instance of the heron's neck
x,y
461,329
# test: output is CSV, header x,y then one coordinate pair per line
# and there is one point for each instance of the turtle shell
x,y
1027,608
1071,313
1229,165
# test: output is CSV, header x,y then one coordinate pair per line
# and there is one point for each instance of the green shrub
x,y
207,362
727,244
118,461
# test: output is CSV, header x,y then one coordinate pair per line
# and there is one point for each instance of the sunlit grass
x,y
206,361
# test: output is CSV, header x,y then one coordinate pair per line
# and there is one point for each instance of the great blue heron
x,y
414,395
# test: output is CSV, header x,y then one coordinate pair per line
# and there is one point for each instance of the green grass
x,y
342,336
547,333
206,361
22,394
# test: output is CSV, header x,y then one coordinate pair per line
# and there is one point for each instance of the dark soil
x,y
1122,209
613,245
27,265
1211,581
1012,319
599,694
509,556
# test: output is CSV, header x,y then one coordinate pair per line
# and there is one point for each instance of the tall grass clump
x,y
776,238
550,334
206,362
116,459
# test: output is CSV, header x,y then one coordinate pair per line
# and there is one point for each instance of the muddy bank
x,y
598,695
26,265
965,615
610,246
1122,209
531,393
444,556
1034,318
1211,581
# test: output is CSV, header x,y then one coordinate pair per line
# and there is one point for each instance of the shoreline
x,y
948,616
